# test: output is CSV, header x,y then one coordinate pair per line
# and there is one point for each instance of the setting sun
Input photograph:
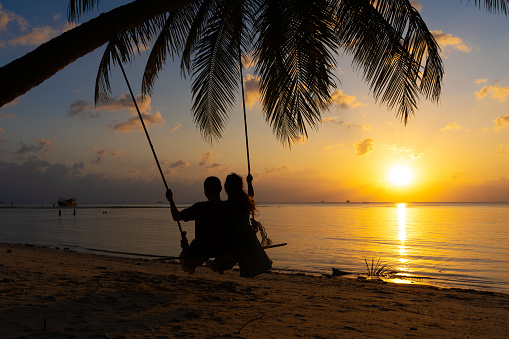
x,y
400,175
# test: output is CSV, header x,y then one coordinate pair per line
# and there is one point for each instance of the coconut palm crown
x,y
293,42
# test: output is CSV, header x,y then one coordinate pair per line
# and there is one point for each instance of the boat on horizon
x,y
67,202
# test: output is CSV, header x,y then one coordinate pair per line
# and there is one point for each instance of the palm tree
x,y
294,43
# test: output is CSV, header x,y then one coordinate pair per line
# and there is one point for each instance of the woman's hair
x,y
234,187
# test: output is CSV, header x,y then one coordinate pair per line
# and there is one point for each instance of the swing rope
x,y
184,242
256,225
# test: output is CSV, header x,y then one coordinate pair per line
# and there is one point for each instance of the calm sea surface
x,y
463,245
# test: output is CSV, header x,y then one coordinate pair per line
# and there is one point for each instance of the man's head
x,y
212,187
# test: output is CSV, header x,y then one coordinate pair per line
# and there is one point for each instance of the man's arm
x,y
174,211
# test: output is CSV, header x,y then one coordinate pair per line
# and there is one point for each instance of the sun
x,y
400,175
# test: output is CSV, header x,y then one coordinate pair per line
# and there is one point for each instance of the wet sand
x,y
55,293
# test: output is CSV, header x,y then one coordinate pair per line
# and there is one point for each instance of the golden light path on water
x,y
402,258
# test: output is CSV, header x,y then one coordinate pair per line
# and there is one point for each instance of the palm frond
x,y
170,40
215,68
295,64
390,42
127,45
206,8
78,7
493,6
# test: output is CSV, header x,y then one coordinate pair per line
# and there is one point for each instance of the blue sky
x,y
53,142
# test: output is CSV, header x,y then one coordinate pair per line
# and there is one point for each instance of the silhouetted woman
x,y
249,253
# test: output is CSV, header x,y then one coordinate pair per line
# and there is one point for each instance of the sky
x,y
55,143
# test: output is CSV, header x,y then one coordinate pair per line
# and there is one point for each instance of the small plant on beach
x,y
376,270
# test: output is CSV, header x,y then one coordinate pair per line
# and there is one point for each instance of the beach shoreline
x,y
57,293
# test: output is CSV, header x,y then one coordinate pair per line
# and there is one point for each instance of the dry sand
x,y
50,293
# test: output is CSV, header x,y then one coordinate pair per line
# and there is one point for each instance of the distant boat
x,y
67,202
348,201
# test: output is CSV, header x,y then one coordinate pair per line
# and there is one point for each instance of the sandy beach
x,y
56,293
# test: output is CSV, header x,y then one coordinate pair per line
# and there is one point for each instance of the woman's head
x,y
233,184
234,187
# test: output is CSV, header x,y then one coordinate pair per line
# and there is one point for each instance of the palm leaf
x,y
127,45
295,64
215,68
78,7
391,44
171,40
493,6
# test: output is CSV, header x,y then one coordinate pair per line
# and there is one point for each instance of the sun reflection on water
x,y
402,238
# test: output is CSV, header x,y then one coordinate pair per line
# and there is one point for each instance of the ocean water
x,y
463,245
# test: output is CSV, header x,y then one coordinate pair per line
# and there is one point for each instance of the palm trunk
x,y
21,75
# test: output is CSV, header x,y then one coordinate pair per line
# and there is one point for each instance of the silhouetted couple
x,y
222,229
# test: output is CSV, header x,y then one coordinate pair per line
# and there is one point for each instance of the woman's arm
x,y
174,211
250,189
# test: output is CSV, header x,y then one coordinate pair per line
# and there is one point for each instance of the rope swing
x,y
184,242
256,225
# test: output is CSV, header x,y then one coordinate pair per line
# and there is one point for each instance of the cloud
x,y
7,17
133,173
248,61
82,107
124,102
179,164
42,146
456,175
38,35
452,126
407,152
333,120
135,123
251,90
206,157
275,170
364,147
216,167
6,116
117,153
501,150
447,40
417,5
338,121
100,154
22,34
344,101
176,127
501,121
495,92
480,81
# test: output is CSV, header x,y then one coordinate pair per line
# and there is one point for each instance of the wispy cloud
x,y
176,127
124,102
501,121
447,41
42,146
494,92
100,154
453,126
338,121
501,150
364,147
22,34
206,158
480,81
343,100
6,116
407,153
251,90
